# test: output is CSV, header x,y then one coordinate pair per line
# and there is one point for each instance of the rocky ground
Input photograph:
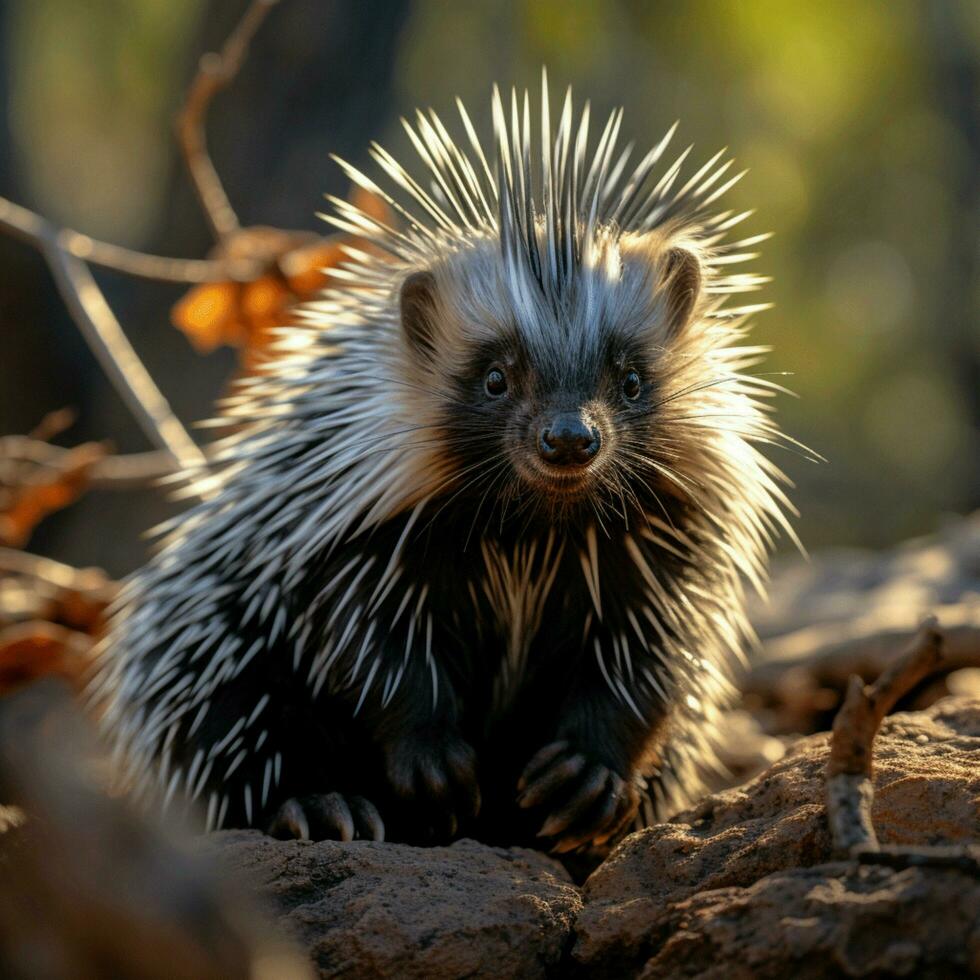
x,y
745,884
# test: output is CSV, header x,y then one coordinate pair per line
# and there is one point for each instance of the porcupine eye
x,y
631,385
495,383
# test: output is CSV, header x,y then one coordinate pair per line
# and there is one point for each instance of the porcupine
x,y
482,523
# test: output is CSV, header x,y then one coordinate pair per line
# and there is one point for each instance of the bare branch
x,y
35,492
68,251
30,227
849,788
105,337
131,470
215,72
53,424
55,573
110,473
807,671
155,266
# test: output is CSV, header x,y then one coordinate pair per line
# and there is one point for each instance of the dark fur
x,y
564,696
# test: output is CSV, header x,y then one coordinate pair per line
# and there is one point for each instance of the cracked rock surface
x,y
741,886
365,909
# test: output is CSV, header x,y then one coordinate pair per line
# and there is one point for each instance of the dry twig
x,y
29,227
26,503
56,574
849,788
24,453
51,616
215,72
68,252
803,683
105,336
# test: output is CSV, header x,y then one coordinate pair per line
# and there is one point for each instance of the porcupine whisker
x,y
625,490
493,474
660,502
479,465
513,493
647,462
757,434
760,427
616,486
665,470
597,512
689,390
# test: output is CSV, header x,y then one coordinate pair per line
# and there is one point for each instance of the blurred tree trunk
x,y
35,367
318,80
956,77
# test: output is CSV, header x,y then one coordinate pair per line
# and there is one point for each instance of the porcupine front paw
x,y
435,772
586,801
327,816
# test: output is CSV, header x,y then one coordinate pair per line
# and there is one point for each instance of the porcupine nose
x,y
568,440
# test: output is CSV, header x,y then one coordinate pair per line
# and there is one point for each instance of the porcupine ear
x,y
682,284
417,301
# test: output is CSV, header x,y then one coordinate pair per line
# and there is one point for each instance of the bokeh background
x,y
858,123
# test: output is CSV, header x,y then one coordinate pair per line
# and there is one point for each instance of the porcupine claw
x,y
327,816
290,822
587,801
438,774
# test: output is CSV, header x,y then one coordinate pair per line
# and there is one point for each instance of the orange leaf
x,y
372,205
290,268
303,266
263,299
79,611
30,503
32,650
208,315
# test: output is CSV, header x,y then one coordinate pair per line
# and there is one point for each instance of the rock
x,y
744,749
388,910
740,886
801,686
665,878
848,612
831,920
840,586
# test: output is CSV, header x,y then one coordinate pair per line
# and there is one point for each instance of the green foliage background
x,y
857,121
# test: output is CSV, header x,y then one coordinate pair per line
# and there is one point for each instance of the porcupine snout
x,y
568,439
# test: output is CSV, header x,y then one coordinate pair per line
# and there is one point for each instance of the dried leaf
x,y
371,204
29,651
208,316
263,300
303,267
23,507
292,264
